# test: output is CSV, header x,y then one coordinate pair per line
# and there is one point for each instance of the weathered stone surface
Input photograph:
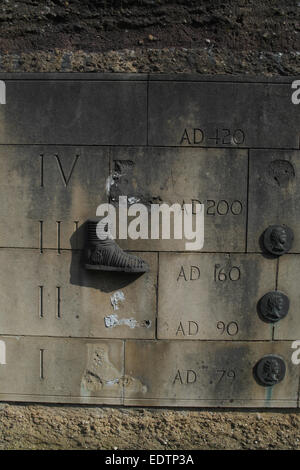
x,y
206,374
61,370
223,114
53,294
74,112
288,282
174,175
48,192
213,296
274,195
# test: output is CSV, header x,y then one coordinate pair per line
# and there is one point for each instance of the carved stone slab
x,y
65,370
191,176
51,294
76,112
216,296
226,113
209,373
61,370
48,192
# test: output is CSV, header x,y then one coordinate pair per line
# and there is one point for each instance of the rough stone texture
x,y
245,37
233,37
74,427
166,60
106,24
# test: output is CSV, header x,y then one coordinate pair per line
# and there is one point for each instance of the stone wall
x,y
201,36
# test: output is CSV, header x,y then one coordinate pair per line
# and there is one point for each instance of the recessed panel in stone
x,y
61,370
52,294
207,373
274,195
217,113
48,192
76,112
186,176
288,282
213,296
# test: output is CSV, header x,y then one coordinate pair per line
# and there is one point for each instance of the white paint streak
x,y
2,92
296,354
113,320
112,382
116,298
133,200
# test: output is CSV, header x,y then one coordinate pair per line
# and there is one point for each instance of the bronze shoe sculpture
x,y
106,255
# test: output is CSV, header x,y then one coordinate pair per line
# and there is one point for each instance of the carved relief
x,y
270,370
280,173
106,255
278,239
273,306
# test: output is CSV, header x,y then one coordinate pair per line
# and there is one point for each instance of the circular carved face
x,y
280,173
278,239
270,370
273,306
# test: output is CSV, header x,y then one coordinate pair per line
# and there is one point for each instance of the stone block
x,y
223,113
213,296
206,373
75,112
52,294
61,370
48,192
190,176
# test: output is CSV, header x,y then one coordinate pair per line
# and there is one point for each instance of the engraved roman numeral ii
x,y
41,301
